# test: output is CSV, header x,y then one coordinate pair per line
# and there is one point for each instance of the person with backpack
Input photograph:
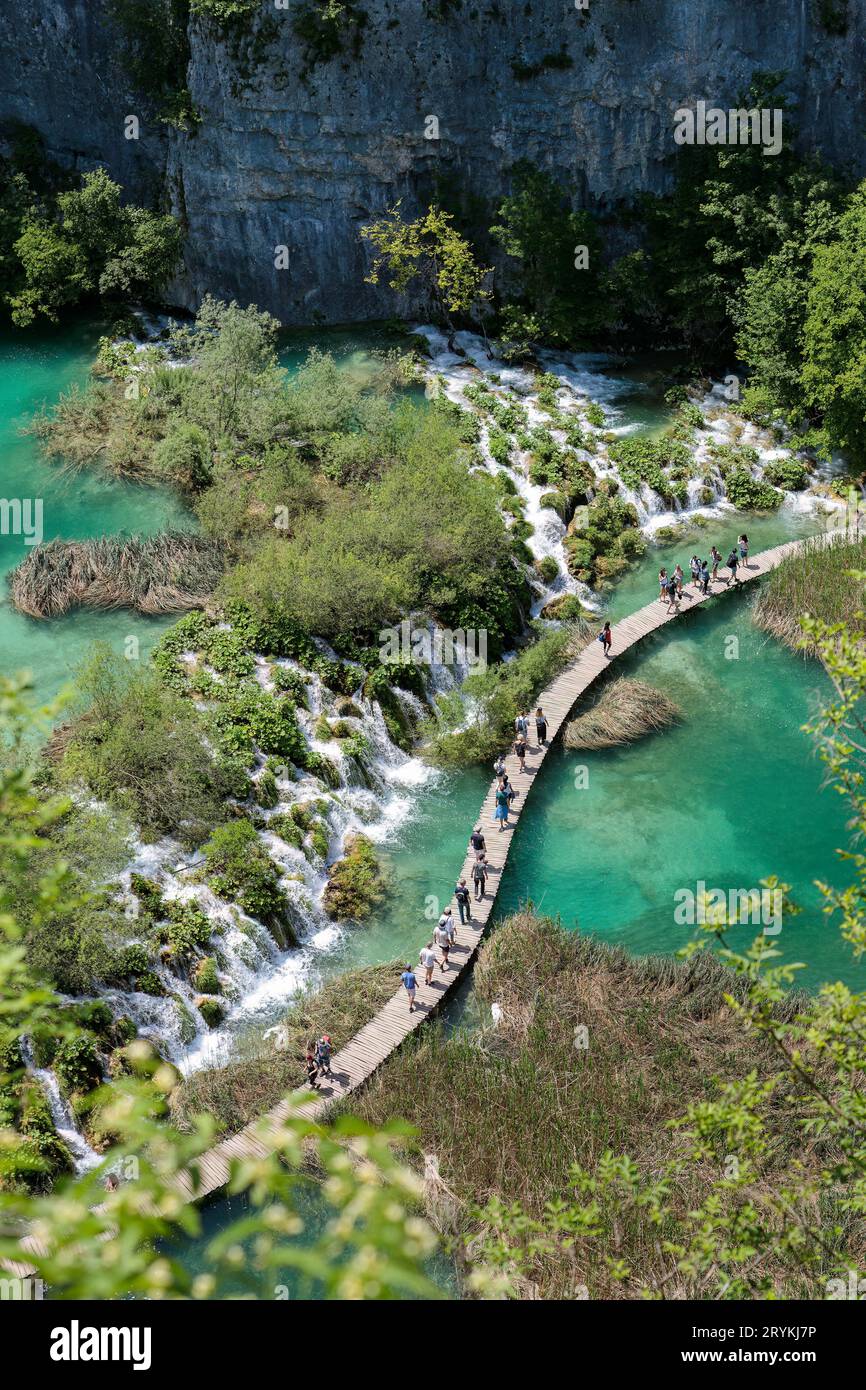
x,y
705,577
732,565
323,1056
464,901
499,765
606,639
673,594
521,726
479,877
410,984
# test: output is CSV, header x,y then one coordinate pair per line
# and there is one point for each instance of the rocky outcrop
x,y
299,156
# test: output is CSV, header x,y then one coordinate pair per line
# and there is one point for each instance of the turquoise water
x,y
285,1284
34,369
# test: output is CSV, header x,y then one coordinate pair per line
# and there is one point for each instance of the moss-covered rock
x,y
211,1010
355,885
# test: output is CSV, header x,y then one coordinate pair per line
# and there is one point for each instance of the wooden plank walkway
x,y
368,1049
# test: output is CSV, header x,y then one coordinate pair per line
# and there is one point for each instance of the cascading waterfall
x,y
582,380
258,978
83,1156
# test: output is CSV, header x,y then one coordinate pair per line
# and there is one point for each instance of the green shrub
x,y
267,791
77,1065
238,868
748,494
786,473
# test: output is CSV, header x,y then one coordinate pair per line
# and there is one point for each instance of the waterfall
x,y
83,1156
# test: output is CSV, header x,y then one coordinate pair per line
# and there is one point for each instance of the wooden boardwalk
x,y
368,1049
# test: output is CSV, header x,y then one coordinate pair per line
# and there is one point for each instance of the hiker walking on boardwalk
x,y
464,901
499,765
410,984
606,639
695,568
477,841
732,565
521,725
673,595
678,576
743,544
716,558
323,1055
502,806
663,583
540,727
312,1066
442,937
427,958
519,752
705,577
479,877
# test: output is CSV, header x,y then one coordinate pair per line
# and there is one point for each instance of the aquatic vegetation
x,y
355,883
625,710
822,580
154,574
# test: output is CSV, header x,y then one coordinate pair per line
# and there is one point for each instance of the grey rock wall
x,y
284,158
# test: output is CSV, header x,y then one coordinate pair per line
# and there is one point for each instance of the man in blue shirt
x,y
411,984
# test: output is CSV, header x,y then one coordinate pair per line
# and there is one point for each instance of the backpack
x,y
601,635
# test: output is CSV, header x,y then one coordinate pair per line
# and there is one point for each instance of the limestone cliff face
x,y
301,158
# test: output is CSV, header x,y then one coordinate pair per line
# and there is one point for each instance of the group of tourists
x,y
445,932
703,572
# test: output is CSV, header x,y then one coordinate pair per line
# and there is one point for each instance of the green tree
x,y
559,274
431,256
834,333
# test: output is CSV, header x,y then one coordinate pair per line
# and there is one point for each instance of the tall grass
x,y
167,573
507,1112
625,710
814,581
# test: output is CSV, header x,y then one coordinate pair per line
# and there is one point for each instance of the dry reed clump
x,y
625,710
814,581
507,1112
244,1089
167,573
